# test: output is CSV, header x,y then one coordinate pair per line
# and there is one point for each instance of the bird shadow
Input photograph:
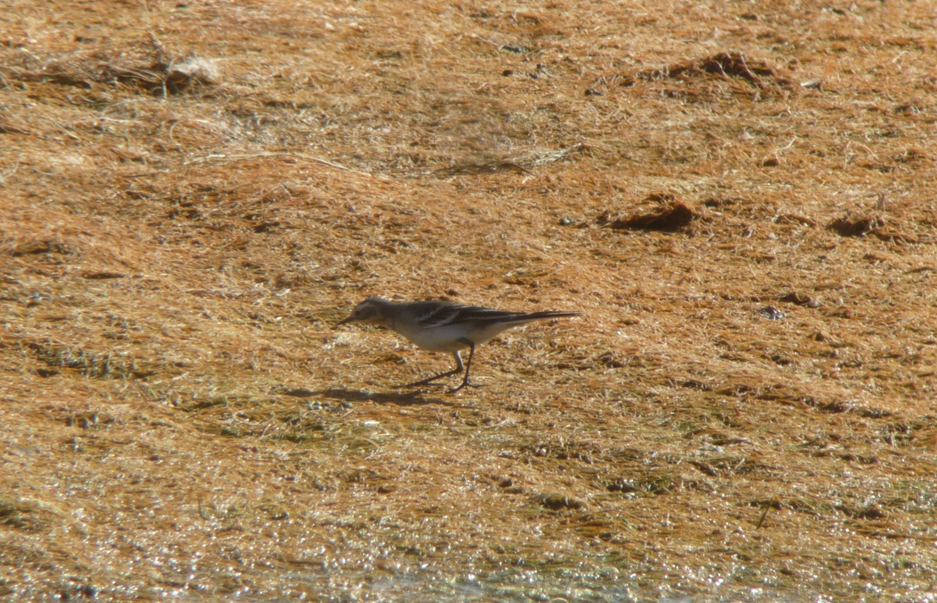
x,y
409,398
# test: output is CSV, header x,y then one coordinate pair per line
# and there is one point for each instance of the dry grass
x,y
738,196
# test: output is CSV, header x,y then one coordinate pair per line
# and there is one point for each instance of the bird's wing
x,y
431,315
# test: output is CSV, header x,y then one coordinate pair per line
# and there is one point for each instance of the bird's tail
x,y
546,315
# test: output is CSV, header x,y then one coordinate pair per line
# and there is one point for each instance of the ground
x,y
738,196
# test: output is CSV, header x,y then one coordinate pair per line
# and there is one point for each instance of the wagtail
x,y
441,326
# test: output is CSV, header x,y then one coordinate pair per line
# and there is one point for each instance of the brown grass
x,y
193,194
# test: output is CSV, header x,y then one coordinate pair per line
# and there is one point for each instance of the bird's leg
x,y
468,368
458,369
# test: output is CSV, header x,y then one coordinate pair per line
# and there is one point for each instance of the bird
x,y
442,326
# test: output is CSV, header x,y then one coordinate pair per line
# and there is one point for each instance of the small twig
x,y
201,511
297,155
764,514
171,128
334,165
486,41
3,177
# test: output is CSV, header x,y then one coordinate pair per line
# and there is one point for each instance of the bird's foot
x,y
465,384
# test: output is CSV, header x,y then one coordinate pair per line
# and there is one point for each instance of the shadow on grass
x,y
409,398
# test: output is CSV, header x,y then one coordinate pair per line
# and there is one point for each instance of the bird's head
x,y
370,311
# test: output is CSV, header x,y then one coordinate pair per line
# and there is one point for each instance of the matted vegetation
x,y
739,197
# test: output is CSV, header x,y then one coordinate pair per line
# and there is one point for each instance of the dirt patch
x,y
730,64
855,226
672,216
